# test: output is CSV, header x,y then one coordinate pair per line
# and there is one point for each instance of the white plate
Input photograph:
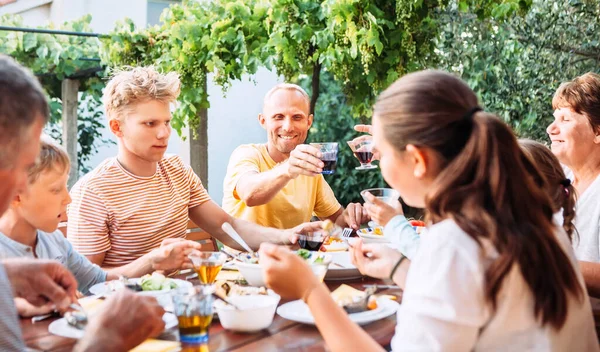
x,y
60,327
108,287
298,311
341,267
369,238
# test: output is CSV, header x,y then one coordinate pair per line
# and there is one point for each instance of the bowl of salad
x,y
250,268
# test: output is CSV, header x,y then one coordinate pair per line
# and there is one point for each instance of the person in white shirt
x,y
493,271
575,136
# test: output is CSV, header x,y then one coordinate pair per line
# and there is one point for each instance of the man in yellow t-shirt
x,y
279,184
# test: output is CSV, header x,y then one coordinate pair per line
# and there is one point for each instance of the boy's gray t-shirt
x,y
55,246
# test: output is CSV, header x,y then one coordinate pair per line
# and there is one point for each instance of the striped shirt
x,y
126,216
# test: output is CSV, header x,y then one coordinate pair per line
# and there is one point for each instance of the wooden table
x,y
283,334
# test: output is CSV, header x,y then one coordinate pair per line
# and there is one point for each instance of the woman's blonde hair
x,y
51,157
487,185
138,85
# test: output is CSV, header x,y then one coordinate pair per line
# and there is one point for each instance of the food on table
x,y
248,258
132,285
417,223
353,300
230,288
156,282
311,257
328,225
331,240
378,231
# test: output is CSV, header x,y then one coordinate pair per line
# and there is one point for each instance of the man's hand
x,y
131,319
354,215
291,235
304,160
41,281
173,254
26,309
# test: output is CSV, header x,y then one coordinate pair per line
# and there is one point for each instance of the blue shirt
x,y
56,247
402,234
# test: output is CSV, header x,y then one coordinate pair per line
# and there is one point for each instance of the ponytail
x,y
487,185
494,191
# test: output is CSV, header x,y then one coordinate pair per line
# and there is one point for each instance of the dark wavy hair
x,y
486,185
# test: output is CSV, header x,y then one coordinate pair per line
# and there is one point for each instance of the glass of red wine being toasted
x,y
329,156
363,150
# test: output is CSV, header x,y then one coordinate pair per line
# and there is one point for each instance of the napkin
x,y
153,345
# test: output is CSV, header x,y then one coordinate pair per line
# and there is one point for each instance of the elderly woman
x,y
575,136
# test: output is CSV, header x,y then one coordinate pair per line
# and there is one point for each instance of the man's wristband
x,y
402,257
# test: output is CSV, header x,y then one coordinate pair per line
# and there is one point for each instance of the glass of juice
x,y
207,265
329,151
363,151
194,310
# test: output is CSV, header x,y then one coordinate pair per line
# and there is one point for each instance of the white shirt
x,y
586,240
444,306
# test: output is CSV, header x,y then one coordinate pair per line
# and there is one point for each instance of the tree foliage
x,y
56,57
363,44
516,66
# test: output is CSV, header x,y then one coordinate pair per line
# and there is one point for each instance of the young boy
x,y
29,229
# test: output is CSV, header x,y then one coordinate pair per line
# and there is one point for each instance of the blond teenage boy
x,y
29,229
127,205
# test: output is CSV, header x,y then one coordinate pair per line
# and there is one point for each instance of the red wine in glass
x,y
364,157
312,244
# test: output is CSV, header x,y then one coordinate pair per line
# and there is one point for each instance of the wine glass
x,y
363,150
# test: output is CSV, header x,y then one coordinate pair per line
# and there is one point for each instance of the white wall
x,y
233,120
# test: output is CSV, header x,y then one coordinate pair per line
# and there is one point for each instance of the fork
x,y
347,232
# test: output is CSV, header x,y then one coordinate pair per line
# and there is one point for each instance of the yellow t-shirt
x,y
292,205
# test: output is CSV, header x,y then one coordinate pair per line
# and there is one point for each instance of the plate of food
x,y
250,268
362,307
372,235
155,284
92,305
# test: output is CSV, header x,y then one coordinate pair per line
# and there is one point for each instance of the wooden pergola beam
x,y
69,92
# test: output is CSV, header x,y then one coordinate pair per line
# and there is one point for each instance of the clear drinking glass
x,y
363,150
207,265
329,158
386,195
194,310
